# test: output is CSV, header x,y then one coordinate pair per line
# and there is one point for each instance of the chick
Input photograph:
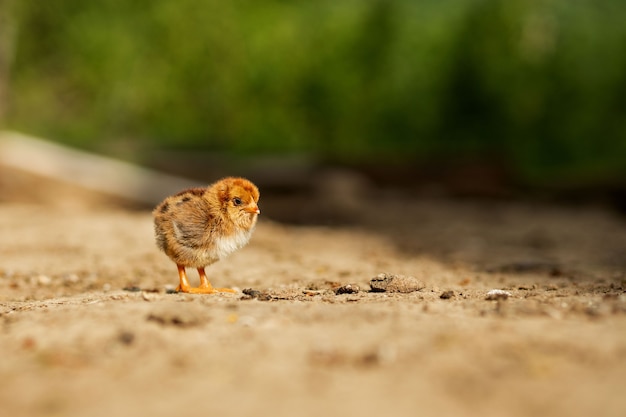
x,y
200,226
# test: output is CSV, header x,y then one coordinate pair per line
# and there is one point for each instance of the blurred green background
x,y
537,86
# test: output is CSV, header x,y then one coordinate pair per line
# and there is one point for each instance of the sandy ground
x,y
88,327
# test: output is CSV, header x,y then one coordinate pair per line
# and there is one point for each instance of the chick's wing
x,y
191,224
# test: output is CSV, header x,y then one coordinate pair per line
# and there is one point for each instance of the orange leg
x,y
205,286
204,283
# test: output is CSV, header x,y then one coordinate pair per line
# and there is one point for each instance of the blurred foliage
x,y
541,84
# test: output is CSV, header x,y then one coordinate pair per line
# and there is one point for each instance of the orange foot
x,y
203,290
205,286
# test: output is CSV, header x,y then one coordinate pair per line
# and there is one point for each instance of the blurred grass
x,y
539,84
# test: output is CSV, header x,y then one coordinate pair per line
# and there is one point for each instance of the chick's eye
x,y
237,201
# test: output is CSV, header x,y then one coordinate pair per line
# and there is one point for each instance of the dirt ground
x,y
89,325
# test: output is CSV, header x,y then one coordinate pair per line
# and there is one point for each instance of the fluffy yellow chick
x,y
200,226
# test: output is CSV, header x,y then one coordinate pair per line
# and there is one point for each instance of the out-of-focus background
x,y
481,97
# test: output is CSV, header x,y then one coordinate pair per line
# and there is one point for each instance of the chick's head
x,y
239,200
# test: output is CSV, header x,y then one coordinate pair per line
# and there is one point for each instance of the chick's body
x,y
200,226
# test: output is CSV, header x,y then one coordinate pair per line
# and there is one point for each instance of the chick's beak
x,y
253,209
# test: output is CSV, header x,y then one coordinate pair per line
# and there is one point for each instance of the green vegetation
x,y
541,83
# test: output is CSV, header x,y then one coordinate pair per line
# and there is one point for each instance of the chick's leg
x,y
206,285
184,282
185,287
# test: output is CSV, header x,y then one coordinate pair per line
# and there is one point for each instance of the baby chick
x,y
200,226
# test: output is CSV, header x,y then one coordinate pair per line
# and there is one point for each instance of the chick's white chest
x,y
226,245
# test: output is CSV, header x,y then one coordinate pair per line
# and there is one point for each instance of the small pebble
x,y
126,337
447,295
148,296
347,289
497,295
395,283
44,280
252,293
249,294
527,287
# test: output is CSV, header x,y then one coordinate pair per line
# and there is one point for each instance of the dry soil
x,y
89,325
